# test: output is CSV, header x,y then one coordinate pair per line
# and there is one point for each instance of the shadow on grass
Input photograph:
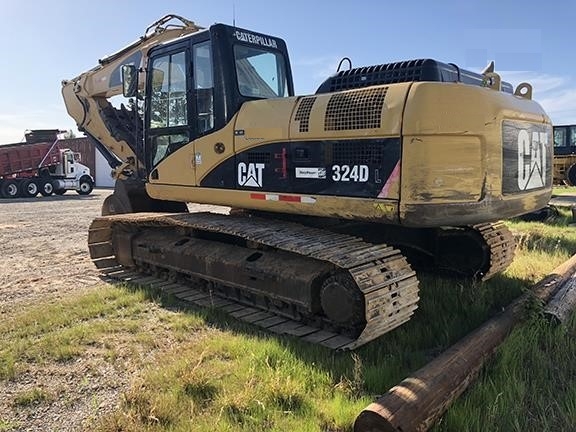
x,y
448,310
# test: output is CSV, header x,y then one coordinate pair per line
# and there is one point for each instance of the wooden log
x,y
563,302
418,401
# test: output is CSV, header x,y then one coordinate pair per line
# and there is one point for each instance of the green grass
x,y
249,381
7,425
235,377
529,386
60,332
564,190
542,246
235,382
33,396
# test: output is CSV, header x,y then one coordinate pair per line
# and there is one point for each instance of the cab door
x,y
211,144
180,114
168,123
69,165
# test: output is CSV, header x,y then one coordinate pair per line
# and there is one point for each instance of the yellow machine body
x,y
450,171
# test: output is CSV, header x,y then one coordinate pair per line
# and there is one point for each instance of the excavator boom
x,y
115,131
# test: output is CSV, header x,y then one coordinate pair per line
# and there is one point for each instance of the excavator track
x,y
381,277
500,241
488,247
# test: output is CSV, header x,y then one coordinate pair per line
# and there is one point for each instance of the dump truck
x,y
39,165
565,155
338,198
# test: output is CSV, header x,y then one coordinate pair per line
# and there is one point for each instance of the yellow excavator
x,y
337,197
564,162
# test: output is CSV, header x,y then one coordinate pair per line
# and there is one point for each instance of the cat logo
x,y
250,175
532,159
527,156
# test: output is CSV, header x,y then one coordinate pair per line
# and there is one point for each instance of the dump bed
x,y
22,157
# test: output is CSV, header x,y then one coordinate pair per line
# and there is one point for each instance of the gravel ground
x,y
44,258
43,247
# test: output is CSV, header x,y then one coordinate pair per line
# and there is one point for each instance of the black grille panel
x,y
404,71
355,110
303,113
357,153
259,157
376,75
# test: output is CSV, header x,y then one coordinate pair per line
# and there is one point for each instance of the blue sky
x,y
47,41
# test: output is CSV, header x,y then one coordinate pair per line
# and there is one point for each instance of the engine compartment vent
x,y
259,157
404,71
360,109
303,112
357,153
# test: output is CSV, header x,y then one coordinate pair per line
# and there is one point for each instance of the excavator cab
x,y
196,85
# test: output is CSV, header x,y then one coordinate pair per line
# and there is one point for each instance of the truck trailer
x,y
40,165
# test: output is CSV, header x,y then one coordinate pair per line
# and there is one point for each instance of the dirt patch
x,y
45,258
43,247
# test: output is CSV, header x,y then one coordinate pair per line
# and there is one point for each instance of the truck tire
x,y
11,188
571,174
86,186
46,187
30,188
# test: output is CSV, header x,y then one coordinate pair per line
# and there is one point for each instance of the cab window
x,y
203,86
168,115
163,145
168,104
572,136
559,137
260,73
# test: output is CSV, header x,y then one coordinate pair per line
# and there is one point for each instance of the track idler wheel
x,y
112,206
342,302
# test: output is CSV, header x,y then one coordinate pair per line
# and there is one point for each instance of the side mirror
x,y
129,80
